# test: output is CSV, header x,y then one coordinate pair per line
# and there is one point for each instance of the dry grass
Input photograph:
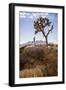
x,y
35,72
38,61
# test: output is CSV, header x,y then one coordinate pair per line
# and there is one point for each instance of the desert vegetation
x,y
38,61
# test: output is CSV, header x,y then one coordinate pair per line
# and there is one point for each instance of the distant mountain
x,y
31,43
40,42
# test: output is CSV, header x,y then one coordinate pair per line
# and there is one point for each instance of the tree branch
x,y
50,30
43,33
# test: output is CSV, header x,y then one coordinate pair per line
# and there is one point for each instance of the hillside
x,y
38,61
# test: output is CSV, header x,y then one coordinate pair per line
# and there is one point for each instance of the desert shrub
x,y
36,72
35,52
43,69
52,69
31,55
49,69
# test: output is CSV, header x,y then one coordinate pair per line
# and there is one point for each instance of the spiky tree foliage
x,y
40,25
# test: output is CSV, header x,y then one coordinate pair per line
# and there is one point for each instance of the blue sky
x,y
26,28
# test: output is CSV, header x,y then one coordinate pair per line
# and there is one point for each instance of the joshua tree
x,y
40,25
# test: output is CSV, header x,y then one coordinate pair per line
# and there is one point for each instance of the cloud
x,y
33,14
22,16
24,13
38,14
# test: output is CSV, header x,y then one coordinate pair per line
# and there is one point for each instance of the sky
x,y
27,30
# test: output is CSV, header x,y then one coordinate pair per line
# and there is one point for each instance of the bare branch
x,y
49,30
44,33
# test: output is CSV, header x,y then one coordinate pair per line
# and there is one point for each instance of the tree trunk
x,y
46,38
46,41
